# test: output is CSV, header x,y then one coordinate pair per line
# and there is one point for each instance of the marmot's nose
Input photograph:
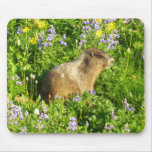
x,y
111,61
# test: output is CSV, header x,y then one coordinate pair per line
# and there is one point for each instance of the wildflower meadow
x,y
35,46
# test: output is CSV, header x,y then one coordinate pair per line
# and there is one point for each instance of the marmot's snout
x,y
111,61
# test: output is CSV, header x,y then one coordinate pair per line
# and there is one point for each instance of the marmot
x,y
76,76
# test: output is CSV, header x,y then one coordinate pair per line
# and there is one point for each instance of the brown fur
x,y
76,76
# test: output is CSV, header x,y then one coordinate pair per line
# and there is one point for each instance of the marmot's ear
x,y
91,53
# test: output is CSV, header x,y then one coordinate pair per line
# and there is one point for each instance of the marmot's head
x,y
98,59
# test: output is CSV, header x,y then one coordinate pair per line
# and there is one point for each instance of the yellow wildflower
x,y
33,40
42,24
36,22
99,20
98,33
26,29
111,26
134,77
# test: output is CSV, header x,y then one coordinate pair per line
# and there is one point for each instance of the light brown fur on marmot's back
x,y
76,76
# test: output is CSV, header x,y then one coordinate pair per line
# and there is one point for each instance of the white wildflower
x,y
36,112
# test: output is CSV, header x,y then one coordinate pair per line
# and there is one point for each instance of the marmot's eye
x,y
100,56
91,54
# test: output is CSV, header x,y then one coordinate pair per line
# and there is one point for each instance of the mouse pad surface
x,y
75,76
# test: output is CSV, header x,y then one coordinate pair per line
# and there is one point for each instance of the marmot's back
x,y
76,76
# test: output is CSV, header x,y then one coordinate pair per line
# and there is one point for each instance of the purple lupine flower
x,y
50,44
61,42
72,124
110,37
81,43
113,116
103,41
127,106
14,112
24,130
44,109
110,40
126,103
116,36
110,46
40,126
77,98
42,33
79,47
92,92
19,83
110,127
95,25
86,28
109,20
64,37
13,78
8,32
15,122
116,42
46,116
19,30
65,43
87,123
127,20
49,38
39,47
126,127
26,113
85,22
73,118
44,44
40,39
52,30
115,31
130,109
11,102
41,116
103,36
57,96
143,56
83,35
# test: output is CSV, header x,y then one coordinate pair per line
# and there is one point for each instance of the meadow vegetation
x,y
35,46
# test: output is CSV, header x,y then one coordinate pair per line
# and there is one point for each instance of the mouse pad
x,y
75,76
